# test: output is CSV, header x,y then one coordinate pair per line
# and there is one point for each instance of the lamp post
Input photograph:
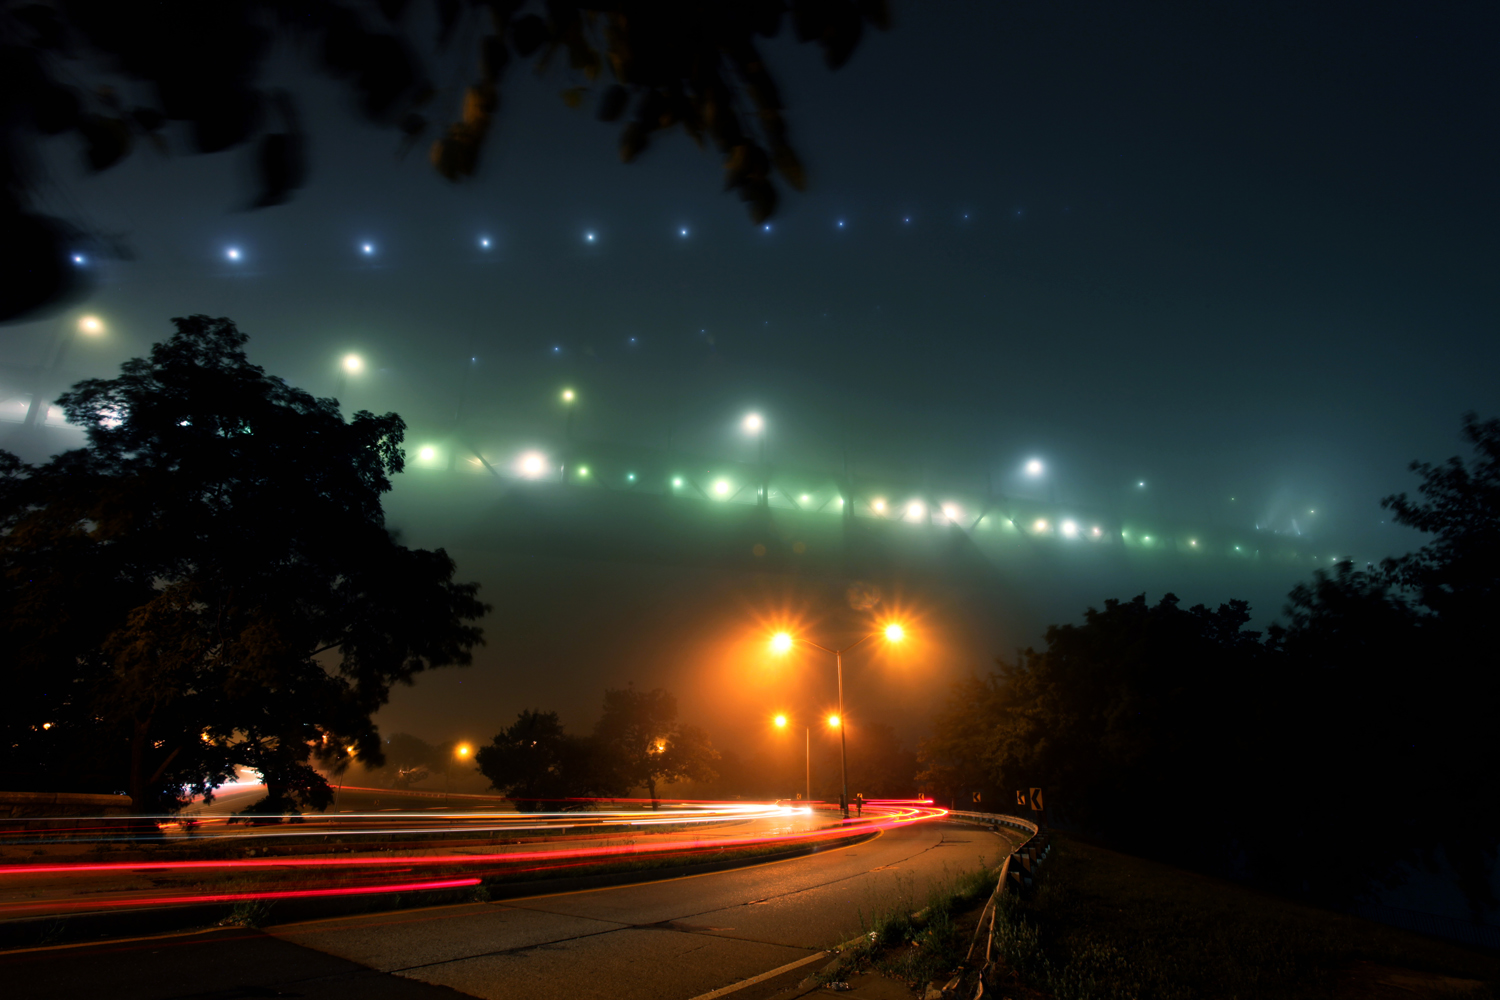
x,y
349,364
755,424
36,412
461,752
568,397
781,723
782,642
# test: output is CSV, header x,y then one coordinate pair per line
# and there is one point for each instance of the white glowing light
x,y
583,470
753,423
1069,529
427,453
1095,531
1142,484
722,487
683,231
805,498
78,258
1193,542
914,509
878,506
589,237
677,482
91,325
367,249
951,512
1034,467
233,253
630,476
1039,526
532,464
353,363
484,242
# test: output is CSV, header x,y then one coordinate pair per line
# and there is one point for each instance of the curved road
x,y
678,938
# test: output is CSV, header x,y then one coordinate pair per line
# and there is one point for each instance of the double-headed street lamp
x,y
781,722
782,642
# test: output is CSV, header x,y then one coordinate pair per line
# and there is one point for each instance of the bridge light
x,y
834,721
1040,525
677,481
1034,467
894,633
781,642
91,325
753,423
1095,531
568,396
780,721
583,470
353,363
1070,529
914,509
427,453
722,487
878,506
532,464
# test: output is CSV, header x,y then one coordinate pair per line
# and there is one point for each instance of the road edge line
x,y
745,983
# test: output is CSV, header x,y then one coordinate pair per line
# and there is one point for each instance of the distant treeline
x,y
639,746
1313,758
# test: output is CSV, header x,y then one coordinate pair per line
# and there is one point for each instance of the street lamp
x,y
349,364
781,723
782,642
460,752
755,424
36,412
568,397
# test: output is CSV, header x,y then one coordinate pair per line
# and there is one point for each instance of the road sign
x,y
976,798
1021,799
1036,800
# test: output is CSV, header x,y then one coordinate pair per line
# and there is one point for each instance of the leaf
x,y
612,103
108,140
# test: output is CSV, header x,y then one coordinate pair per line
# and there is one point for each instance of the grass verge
x,y
917,946
1108,926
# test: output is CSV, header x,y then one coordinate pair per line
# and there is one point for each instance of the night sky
x,y
1236,251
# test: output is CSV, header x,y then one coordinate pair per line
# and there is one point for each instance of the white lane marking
x,y
726,990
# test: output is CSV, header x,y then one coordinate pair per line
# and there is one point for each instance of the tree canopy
x,y
209,584
539,765
637,744
1278,756
144,66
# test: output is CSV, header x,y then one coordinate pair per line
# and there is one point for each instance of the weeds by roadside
x,y
916,947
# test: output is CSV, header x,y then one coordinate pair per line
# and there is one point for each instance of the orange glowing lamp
x,y
781,642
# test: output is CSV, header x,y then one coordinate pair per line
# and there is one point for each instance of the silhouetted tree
x,y
535,763
669,64
209,583
641,744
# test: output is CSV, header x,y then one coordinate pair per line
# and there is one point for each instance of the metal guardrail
x,y
999,819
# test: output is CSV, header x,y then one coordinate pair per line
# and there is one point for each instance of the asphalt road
x,y
672,939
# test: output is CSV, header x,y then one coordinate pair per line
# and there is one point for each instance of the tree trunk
x,y
651,787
